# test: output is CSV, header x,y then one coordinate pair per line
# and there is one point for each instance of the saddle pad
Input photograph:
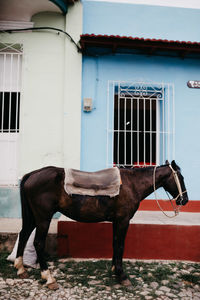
x,y
103,183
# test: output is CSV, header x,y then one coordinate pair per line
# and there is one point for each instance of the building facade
x,y
137,61
140,107
129,96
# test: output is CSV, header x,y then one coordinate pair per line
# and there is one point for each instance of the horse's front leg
x,y
39,243
119,234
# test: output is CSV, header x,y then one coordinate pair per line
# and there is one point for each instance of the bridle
x,y
180,193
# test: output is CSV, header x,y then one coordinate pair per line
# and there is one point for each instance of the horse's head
x,y
175,184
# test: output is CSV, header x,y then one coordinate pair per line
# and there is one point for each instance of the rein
x,y
180,193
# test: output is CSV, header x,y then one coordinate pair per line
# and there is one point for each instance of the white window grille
x,y
140,123
10,87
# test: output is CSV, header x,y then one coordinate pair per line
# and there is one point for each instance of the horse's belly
x,y
87,217
89,209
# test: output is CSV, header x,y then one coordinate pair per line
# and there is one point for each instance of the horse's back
x,y
46,177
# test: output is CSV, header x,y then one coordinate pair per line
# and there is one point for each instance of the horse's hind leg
x,y
23,238
39,243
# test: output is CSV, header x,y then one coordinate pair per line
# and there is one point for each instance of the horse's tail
x,y
28,224
27,214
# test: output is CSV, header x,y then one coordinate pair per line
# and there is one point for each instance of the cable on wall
x,y
44,28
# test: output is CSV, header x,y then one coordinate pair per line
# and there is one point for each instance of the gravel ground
x,y
93,279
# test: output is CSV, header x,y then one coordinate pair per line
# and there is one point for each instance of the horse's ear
x,y
167,162
174,165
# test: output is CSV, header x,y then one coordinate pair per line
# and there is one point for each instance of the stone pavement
x,y
151,280
181,281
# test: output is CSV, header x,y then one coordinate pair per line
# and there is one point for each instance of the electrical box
x,y
87,104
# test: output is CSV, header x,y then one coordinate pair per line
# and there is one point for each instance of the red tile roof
x,y
150,44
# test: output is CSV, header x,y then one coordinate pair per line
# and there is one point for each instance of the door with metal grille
x,y
10,84
140,124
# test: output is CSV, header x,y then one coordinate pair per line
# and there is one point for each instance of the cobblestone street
x,y
93,280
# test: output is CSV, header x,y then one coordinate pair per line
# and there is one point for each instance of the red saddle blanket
x,y
105,182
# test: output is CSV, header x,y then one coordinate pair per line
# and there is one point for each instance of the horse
x,y
42,194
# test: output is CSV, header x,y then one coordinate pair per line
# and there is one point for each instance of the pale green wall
x,y
9,203
51,92
72,90
41,122
50,106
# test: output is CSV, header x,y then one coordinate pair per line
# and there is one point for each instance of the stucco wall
x,y
97,71
41,93
42,96
51,66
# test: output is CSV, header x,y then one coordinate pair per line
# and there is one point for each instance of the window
x,y
141,125
9,111
10,85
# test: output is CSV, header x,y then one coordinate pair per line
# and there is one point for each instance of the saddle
x,y
102,183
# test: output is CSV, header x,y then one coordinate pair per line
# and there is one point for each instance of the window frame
x,y
165,119
10,88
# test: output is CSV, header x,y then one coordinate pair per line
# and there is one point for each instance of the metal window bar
x,y
17,99
138,134
150,139
150,126
168,127
3,84
118,140
10,93
163,120
131,130
125,131
11,48
173,128
144,130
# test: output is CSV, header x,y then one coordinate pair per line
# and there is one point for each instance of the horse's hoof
x,y
53,286
113,269
24,275
126,282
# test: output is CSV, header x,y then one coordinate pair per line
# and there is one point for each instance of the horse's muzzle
x,y
182,200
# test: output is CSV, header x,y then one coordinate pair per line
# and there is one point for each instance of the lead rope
x,y
176,211
177,182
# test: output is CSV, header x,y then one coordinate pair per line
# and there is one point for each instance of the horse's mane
x,y
145,168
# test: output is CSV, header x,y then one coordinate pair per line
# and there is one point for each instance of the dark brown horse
x,y
43,194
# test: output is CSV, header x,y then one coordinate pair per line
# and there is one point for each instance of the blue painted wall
x,y
146,21
141,20
96,74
